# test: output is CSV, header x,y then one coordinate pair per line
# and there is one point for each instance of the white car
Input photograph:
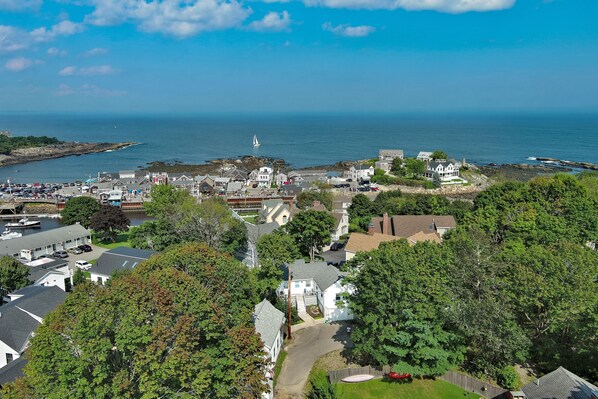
x,y
83,264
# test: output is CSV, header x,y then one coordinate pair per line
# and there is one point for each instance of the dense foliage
x,y
79,210
514,283
8,143
179,218
311,231
109,221
176,326
274,250
363,209
13,274
305,199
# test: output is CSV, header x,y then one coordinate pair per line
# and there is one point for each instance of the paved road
x,y
308,345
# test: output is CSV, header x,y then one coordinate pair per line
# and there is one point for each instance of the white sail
x,y
255,142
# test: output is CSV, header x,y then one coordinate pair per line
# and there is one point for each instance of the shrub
x,y
507,377
321,387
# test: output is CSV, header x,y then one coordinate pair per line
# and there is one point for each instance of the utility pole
x,y
289,319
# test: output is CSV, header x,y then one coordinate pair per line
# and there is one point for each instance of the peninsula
x,y
59,150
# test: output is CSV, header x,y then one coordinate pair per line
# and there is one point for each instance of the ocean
x,y
301,140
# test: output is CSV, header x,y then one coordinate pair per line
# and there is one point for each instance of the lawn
x,y
122,240
417,389
278,367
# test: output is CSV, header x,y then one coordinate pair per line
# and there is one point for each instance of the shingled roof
x,y
560,384
121,258
407,225
20,318
323,274
267,320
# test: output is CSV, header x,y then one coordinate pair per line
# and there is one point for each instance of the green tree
x,y
109,221
274,250
79,210
400,292
153,333
156,235
13,274
79,277
320,387
311,230
439,155
397,167
415,167
305,199
166,201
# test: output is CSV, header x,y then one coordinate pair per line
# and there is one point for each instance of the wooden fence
x,y
337,375
473,385
462,380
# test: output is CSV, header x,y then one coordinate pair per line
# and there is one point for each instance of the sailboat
x,y
255,142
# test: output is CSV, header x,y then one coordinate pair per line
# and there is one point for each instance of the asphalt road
x,y
308,345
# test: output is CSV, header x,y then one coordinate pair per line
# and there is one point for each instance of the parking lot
x,y
88,256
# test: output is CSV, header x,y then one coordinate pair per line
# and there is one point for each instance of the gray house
x,y
121,258
560,384
45,243
21,317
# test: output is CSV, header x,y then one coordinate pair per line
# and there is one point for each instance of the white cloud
x,y
56,52
180,18
18,64
87,90
96,51
20,5
349,31
13,39
89,71
272,22
63,28
449,6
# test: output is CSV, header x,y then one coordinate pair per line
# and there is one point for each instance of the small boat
x,y
256,143
398,376
8,235
23,224
358,378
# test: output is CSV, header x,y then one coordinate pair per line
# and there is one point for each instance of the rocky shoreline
x,y
25,155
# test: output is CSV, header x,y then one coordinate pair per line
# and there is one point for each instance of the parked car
x,y
337,245
75,250
85,247
60,254
83,264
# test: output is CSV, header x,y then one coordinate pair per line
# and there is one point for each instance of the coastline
x,y
26,155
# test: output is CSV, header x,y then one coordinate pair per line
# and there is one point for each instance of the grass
x,y
87,275
122,240
417,389
278,367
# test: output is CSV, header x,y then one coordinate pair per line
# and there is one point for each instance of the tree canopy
x,y
311,230
109,221
176,326
13,274
273,250
79,210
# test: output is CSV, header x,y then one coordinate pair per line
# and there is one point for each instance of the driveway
x,y
94,254
308,346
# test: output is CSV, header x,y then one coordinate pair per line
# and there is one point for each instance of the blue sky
x,y
204,56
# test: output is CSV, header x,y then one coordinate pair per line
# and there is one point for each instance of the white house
x,y
35,245
361,172
320,282
264,177
281,179
424,155
444,170
20,318
268,323
49,272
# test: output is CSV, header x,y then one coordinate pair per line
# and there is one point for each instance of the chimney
x,y
371,229
385,224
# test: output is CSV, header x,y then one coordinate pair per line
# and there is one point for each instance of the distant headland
x,y
29,148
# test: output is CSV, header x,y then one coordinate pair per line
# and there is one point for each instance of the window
x,y
100,280
308,284
297,285
9,358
